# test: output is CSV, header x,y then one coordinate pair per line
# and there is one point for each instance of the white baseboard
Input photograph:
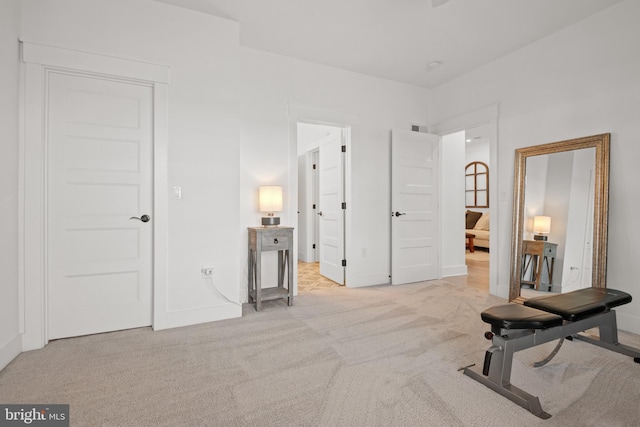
x,y
175,319
454,270
628,322
9,350
373,280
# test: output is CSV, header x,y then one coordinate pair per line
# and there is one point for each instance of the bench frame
x,y
496,372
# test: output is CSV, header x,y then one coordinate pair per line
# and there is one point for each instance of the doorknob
x,y
143,218
320,213
398,213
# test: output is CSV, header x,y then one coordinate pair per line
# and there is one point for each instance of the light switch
x,y
177,193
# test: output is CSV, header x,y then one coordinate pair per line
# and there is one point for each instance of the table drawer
x,y
275,241
550,251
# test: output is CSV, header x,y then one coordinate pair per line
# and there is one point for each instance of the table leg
x,y
258,281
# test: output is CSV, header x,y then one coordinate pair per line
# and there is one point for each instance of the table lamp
x,y
541,226
270,201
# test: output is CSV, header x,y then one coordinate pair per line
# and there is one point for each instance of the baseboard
x,y
454,270
175,319
373,280
628,323
9,350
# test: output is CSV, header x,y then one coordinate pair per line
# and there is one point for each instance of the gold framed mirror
x,y
568,185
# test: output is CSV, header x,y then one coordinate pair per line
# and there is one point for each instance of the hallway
x,y
309,277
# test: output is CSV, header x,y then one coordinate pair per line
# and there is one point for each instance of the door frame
x,y
312,115
38,62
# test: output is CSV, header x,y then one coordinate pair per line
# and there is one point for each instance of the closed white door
x,y
330,210
99,134
414,204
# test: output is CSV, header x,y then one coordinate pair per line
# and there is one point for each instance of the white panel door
x,y
414,204
315,191
99,175
330,209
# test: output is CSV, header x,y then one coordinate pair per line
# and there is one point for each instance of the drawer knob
x,y
275,241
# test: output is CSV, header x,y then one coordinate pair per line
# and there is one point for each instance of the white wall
x,y
372,106
453,217
10,343
203,153
580,81
478,151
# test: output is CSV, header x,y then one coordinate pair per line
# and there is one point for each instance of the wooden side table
x,y
537,254
270,239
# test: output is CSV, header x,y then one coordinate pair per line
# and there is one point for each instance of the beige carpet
x,y
381,356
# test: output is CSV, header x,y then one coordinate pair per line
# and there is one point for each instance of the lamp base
x,y
270,221
540,237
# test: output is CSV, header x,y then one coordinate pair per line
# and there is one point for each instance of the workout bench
x,y
516,327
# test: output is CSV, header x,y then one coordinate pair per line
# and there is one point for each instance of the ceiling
x,y
397,39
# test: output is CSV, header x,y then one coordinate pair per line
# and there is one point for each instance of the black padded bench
x,y
516,327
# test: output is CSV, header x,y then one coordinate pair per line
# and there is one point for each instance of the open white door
x,y
315,202
330,210
414,204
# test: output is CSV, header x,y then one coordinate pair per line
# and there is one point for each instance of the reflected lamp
x,y
541,226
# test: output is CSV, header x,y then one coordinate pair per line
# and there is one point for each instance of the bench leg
x,y
609,337
511,392
496,374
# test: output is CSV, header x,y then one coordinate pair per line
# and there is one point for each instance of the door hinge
x,y
314,246
314,206
344,205
344,262
314,166
344,148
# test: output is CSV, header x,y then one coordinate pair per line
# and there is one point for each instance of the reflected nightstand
x,y
537,254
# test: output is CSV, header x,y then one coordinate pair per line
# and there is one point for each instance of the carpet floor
x,y
378,356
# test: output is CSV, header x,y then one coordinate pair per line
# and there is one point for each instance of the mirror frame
x,y
601,203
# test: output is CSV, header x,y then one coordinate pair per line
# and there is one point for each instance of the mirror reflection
x,y
559,223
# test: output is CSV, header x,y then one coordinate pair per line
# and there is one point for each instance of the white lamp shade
x,y
270,198
541,224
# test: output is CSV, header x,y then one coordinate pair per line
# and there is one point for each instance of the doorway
x,y
321,151
478,153
42,65
466,248
487,119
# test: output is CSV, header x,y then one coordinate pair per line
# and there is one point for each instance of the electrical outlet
x,y
207,272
